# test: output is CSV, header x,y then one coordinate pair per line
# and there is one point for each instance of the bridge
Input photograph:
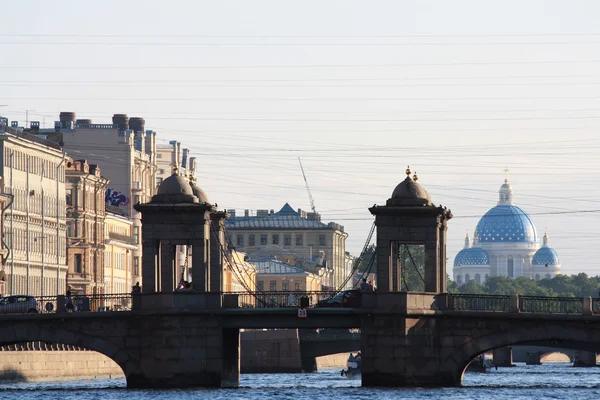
x,y
166,338
184,339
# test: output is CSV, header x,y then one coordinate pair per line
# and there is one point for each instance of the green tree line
x,y
579,285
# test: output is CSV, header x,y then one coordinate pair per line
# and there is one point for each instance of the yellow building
x,y
239,276
120,273
276,276
298,231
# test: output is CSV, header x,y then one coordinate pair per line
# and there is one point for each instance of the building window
x,y
275,239
136,234
251,240
263,240
273,285
287,240
260,285
322,240
158,181
297,286
240,240
299,240
285,285
69,197
478,279
78,263
510,268
70,230
136,266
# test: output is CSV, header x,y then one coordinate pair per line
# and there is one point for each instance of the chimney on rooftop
x,y
67,119
136,124
122,121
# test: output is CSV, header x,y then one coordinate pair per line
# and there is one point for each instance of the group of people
x,y
81,303
366,286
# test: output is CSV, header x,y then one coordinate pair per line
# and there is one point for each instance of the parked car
x,y
346,298
18,304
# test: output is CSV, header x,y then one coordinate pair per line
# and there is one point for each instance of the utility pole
x,y
27,118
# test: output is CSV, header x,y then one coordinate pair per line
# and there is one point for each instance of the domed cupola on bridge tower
x,y
411,233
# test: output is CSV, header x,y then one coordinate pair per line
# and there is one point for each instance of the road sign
x,y
302,312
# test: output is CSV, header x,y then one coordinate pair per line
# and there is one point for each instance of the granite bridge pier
x,y
192,339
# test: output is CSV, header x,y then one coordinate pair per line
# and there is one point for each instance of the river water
x,y
547,381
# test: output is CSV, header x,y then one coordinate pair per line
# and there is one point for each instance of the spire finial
x,y
506,174
407,171
175,169
415,177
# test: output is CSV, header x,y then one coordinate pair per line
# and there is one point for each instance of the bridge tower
x,y
410,218
194,350
399,341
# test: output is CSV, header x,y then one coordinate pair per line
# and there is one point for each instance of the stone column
x,y
534,358
443,284
217,247
230,375
200,265
503,357
432,267
167,267
585,359
384,261
149,265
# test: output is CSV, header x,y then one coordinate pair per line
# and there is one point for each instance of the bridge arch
x,y
28,333
549,333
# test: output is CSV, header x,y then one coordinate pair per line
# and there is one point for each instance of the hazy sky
x,y
459,90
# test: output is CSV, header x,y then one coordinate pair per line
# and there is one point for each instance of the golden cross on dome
x,y
506,175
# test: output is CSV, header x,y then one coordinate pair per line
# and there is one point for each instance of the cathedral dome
x,y
472,256
505,222
545,255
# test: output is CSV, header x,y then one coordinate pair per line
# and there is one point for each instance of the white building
x,y
34,226
505,243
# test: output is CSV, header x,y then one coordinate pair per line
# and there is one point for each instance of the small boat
x,y
480,364
353,367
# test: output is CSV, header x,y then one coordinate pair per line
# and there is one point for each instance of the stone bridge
x,y
407,339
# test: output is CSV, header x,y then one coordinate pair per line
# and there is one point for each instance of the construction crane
x,y
312,201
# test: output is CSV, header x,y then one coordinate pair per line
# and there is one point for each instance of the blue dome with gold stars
x,y
545,255
505,223
471,256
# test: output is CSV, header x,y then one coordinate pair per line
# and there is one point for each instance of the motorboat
x,y
353,367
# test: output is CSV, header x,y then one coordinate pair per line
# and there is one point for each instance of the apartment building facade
x,y
298,231
34,227
86,212
172,155
125,150
120,270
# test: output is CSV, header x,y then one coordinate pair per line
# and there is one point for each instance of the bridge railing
x,y
553,305
82,303
478,302
274,299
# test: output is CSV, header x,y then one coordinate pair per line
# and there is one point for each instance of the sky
x,y
357,90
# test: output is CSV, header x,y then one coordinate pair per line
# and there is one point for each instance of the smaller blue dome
x,y
471,256
545,256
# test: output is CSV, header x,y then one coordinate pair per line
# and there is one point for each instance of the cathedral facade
x,y
505,243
